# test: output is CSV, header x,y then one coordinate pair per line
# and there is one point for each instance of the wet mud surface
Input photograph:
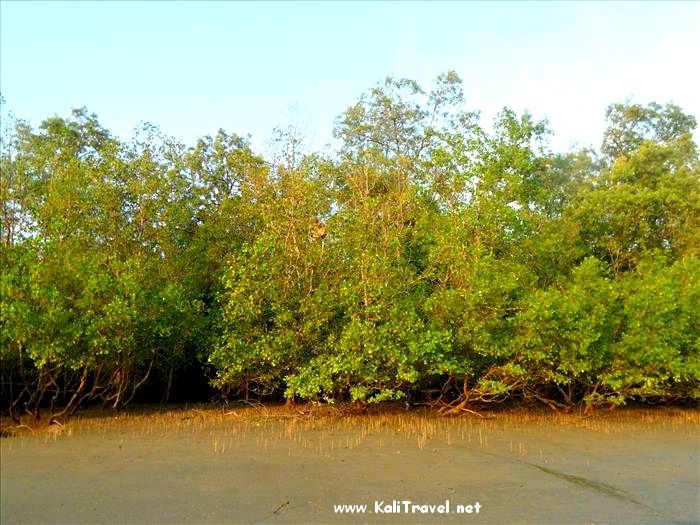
x,y
274,466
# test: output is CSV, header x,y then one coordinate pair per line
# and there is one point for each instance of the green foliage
x,y
631,125
427,255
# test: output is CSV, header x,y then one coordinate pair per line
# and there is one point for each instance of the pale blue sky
x,y
192,68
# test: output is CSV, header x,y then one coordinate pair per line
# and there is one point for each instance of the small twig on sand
x,y
280,507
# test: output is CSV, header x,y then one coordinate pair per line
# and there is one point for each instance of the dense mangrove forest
x,y
428,257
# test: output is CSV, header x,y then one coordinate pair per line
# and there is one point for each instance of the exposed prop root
x,y
8,431
557,407
460,406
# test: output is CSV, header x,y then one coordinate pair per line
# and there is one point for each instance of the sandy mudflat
x,y
273,466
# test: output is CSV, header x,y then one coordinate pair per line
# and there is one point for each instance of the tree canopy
x,y
427,258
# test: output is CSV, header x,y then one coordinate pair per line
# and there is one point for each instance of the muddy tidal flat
x,y
277,465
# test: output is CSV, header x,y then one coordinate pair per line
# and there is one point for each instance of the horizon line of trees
x,y
426,259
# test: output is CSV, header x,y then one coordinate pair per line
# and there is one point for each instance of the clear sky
x,y
192,68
